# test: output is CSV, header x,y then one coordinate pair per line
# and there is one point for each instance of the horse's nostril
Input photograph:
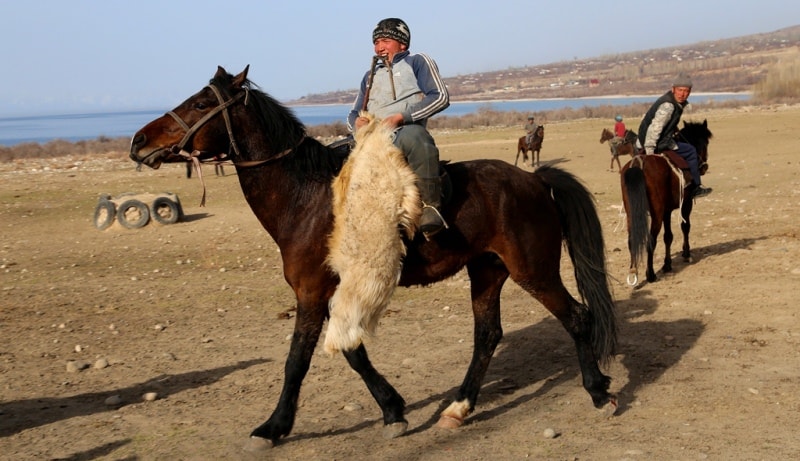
x,y
139,139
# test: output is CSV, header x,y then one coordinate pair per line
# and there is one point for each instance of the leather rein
x,y
194,156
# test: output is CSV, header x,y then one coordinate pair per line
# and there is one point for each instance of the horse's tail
x,y
584,239
638,208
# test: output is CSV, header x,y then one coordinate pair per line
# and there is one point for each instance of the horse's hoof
x,y
609,409
449,422
258,444
394,430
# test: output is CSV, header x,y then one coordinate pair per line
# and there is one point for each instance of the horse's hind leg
x,y
487,276
576,319
655,229
668,237
391,403
686,226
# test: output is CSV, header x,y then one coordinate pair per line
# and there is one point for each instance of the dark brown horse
x,y
504,222
652,185
626,147
535,146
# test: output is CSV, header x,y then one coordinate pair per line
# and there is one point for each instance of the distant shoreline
x,y
489,101
608,96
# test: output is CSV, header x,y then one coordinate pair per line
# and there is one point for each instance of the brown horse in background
x,y
626,147
535,146
652,185
504,222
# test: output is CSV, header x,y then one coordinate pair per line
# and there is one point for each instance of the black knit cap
x,y
392,28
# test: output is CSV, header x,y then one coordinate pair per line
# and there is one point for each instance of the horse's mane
x,y
309,158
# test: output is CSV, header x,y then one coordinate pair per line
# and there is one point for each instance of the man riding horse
x,y
405,90
659,125
530,130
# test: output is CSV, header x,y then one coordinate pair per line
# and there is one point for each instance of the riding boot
x,y
430,191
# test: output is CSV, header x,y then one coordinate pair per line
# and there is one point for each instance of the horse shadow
x,y
553,162
101,451
26,414
195,217
700,253
535,361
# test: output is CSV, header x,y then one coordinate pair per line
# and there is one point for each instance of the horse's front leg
x,y
668,237
487,279
391,403
307,328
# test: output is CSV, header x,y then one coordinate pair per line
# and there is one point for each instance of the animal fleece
x,y
374,195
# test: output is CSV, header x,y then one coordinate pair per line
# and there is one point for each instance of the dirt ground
x,y
198,313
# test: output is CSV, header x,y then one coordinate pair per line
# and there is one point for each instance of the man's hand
x,y
393,121
361,121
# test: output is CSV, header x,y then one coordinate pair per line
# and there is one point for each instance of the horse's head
x,y
227,117
196,127
605,135
698,135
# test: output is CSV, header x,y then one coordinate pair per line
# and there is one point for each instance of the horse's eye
x,y
200,106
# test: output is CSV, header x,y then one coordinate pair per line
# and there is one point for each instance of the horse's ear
x,y
240,79
705,123
220,72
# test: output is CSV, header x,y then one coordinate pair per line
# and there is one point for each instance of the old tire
x,y
104,214
133,214
165,210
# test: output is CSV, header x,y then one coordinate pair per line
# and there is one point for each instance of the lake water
x,y
77,127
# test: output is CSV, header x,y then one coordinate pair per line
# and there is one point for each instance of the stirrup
x,y
444,225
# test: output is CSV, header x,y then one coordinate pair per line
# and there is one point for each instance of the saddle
x,y
677,162
343,147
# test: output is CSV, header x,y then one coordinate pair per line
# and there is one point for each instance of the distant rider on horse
x,y
530,129
619,134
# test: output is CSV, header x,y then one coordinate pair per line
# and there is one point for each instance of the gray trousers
x,y
420,150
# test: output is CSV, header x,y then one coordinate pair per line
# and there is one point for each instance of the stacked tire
x,y
134,211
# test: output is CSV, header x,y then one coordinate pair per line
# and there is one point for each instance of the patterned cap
x,y
392,28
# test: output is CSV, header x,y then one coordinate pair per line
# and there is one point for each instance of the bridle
x,y
190,131
702,160
194,156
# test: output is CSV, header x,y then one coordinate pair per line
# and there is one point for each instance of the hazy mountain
x,y
729,65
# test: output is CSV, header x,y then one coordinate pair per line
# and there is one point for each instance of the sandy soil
x,y
198,313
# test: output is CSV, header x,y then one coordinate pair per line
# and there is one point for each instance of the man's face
x,y
681,93
388,47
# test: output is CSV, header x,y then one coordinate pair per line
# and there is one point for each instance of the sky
x,y
82,56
